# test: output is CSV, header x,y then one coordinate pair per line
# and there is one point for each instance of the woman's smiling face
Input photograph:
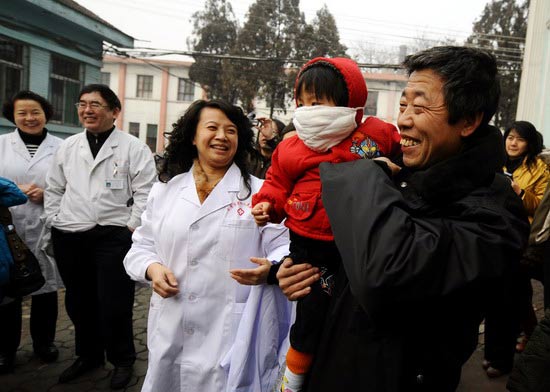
x,y
216,139
29,116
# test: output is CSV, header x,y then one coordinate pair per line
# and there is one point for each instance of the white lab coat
x,y
83,192
17,165
190,335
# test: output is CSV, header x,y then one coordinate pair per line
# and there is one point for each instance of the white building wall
x,y
148,110
534,92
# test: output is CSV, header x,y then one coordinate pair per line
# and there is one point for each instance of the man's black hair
x,y
106,93
470,79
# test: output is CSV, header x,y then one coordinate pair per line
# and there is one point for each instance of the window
x,y
144,86
186,90
105,78
151,138
13,68
133,129
65,83
371,105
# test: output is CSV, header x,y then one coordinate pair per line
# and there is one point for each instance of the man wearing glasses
x,y
95,193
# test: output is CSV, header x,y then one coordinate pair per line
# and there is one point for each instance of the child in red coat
x,y
330,95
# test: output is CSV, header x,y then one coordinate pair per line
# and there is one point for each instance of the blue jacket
x,y
10,195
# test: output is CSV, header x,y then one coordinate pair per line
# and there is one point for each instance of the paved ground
x,y
31,375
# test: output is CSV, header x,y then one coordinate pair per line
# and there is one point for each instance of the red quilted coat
x,y
293,185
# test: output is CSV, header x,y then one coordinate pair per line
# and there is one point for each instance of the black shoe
x,y
121,376
47,353
7,363
78,368
493,372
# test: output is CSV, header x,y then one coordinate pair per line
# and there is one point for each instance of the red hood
x,y
355,83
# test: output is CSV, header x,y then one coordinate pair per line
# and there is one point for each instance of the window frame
x,y
141,84
130,123
368,108
102,77
152,145
66,110
22,68
182,93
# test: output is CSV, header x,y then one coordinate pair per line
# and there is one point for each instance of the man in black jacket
x,y
422,241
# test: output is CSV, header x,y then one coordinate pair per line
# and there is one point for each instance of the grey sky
x,y
166,23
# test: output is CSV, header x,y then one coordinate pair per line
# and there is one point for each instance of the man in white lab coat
x,y
95,193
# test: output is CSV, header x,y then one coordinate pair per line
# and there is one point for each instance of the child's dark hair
x,y
324,81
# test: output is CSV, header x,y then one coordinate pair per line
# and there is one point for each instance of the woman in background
x,y
25,156
529,177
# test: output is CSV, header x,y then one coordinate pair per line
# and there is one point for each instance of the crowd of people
x,y
445,218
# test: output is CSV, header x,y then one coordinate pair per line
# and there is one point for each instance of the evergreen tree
x,y
276,31
501,29
326,37
268,34
214,32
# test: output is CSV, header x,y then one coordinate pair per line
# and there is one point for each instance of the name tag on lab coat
x,y
114,183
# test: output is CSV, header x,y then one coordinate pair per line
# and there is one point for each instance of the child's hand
x,y
261,213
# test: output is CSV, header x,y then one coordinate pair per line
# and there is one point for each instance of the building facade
x,y
154,94
54,48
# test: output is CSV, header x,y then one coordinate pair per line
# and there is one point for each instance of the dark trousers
x,y
99,295
546,274
311,310
43,322
502,321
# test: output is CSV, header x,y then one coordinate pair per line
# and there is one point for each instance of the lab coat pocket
x,y
235,242
236,316
122,167
155,309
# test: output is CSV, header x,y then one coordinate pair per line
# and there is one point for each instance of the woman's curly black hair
x,y
180,152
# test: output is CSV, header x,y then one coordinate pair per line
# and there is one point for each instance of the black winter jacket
x,y
419,251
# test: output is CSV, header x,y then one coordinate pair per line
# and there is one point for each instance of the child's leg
x,y
311,309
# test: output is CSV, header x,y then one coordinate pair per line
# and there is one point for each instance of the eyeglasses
x,y
93,105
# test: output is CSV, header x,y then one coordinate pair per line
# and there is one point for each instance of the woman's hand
x,y
252,276
33,192
294,280
164,281
36,195
516,187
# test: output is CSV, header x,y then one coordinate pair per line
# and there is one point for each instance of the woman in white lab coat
x,y
25,156
197,232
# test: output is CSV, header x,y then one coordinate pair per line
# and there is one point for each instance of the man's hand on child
x,y
392,166
261,213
